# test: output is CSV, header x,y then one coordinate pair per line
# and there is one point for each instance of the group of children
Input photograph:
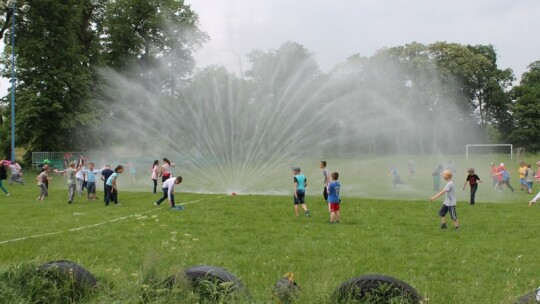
x,y
330,192
89,178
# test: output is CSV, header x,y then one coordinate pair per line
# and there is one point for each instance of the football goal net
x,y
504,147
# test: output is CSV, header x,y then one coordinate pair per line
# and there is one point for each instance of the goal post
x,y
489,145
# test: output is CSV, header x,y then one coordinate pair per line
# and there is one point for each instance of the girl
x,y
165,170
71,173
155,173
3,176
111,187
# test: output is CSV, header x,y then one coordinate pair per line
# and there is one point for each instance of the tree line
x,y
66,52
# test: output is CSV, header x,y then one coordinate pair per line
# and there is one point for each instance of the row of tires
x,y
370,288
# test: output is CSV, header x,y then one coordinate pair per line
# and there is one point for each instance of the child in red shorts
x,y
333,198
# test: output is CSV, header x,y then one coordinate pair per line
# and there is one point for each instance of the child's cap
x,y
470,170
502,165
46,161
295,168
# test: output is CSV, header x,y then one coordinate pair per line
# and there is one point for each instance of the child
x,y
473,181
155,173
333,198
396,179
522,171
168,192
71,172
326,179
3,176
42,183
437,178
112,189
450,200
529,178
90,174
504,177
300,184
16,174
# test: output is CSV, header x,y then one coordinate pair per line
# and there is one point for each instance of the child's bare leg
x,y
296,210
338,217
456,223
304,207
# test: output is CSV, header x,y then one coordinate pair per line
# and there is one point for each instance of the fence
x,y
57,158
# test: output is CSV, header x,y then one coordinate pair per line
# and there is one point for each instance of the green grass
x,y
258,239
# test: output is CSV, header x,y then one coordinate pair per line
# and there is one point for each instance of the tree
x,y
526,109
53,93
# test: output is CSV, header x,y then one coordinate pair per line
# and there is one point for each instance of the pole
x,y
13,86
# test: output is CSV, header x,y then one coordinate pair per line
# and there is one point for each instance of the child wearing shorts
x,y
300,184
333,198
450,201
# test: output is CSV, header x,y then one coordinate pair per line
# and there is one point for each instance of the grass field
x,y
493,259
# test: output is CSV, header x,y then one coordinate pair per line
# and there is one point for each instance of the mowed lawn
x,y
492,259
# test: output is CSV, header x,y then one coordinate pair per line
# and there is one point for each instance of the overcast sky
x,y
336,29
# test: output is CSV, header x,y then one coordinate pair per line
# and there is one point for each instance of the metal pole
x,y
13,86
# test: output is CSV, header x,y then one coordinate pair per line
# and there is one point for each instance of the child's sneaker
x,y
8,194
156,204
443,226
307,213
456,228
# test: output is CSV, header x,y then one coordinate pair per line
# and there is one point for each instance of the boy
x,y
112,188
168,192
300,184
326,179
450,200
90,174
473,181
71,172
333,198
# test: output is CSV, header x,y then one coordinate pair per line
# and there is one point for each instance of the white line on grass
x,y
99,224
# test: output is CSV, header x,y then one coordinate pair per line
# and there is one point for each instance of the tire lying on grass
x,y
69,272
530,298
376,288
286,290
211,282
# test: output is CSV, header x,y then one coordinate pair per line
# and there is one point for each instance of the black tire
x,y
67,270
530,298
198,278
375,288
285,290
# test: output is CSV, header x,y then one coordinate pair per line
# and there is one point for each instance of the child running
x,y
112,188
334,199
450,201
300,184
473,181
3,176
168,192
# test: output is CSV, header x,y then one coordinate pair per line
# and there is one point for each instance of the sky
x,y
336,29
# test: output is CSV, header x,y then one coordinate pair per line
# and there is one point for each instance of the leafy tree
x,y
526,109
53,93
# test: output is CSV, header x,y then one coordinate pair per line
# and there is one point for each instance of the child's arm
x,y
438,195
295,186
465,184
59,172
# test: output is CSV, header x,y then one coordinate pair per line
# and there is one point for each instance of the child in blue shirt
x,y
91,180
300,184
334,199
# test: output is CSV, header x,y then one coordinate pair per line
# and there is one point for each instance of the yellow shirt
x,y
522,171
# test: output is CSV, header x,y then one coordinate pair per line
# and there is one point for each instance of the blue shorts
x,y
91,186
445,209
300,196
